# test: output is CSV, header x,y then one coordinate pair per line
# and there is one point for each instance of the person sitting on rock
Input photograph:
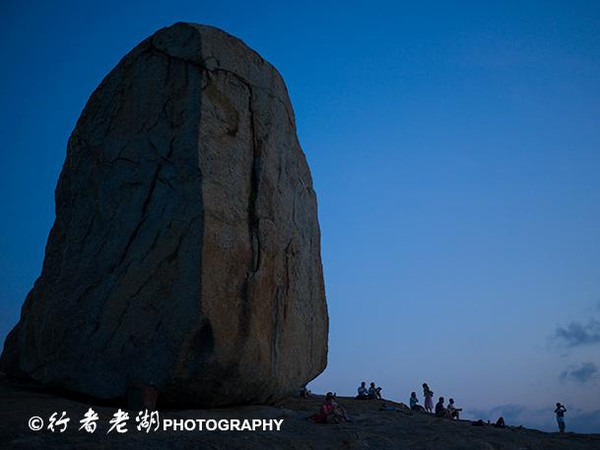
x,y
339,412
363,393
453,411
325,414
304,392
413,401
440,411
500,423
374,392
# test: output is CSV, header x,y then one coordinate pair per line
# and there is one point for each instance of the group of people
x,y
332,412
450,411
498,424
372,393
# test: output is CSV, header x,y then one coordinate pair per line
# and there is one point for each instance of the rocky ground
x,y
369,429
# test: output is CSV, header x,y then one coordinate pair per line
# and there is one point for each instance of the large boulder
x,y
186,248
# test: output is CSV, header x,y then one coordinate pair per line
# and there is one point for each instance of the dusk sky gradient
x,y
455,153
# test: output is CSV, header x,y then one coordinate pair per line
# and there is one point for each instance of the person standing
x,y
560,417
428,394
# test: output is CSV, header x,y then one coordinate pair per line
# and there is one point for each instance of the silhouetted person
x,y
560,417
304,392
339,412
330,412
440,411
363,393
428,394
500,423
414,402
374,392
453,411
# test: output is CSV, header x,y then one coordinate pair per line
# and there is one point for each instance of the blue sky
x,y
455,151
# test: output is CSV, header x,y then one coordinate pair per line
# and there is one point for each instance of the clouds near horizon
x,y
576,333
581,373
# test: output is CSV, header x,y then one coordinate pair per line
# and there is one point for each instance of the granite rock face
x,y
186,247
